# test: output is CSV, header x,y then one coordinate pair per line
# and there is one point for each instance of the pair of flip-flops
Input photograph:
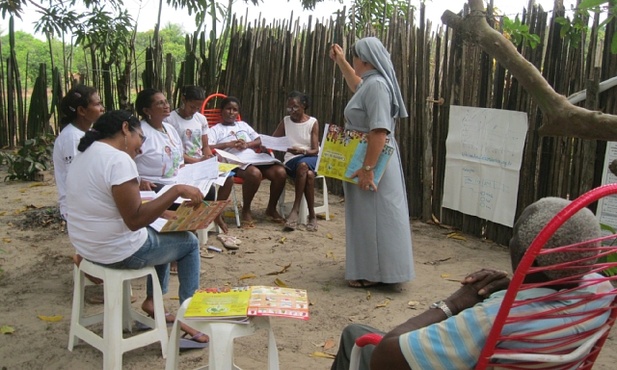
x,y
191,342
229,242
362,283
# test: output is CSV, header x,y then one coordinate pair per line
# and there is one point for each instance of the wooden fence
x,y
266,62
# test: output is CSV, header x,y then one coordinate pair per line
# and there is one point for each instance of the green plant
x,y
611,257
518,33
24,163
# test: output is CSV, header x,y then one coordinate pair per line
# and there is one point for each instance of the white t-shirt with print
x,y
190,131
95,226
161,154
65,150
239,130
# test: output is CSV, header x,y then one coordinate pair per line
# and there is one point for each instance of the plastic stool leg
x,y
78,305
112,327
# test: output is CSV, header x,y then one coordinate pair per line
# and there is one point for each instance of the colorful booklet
x,y
190,219
342,153
239,303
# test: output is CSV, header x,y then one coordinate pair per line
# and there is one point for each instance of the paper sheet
x,y
484,150
280,144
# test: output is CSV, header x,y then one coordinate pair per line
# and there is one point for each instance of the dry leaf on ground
x,y
5,329
55,318
280,283
384,304
322,355
329,343
282,271
247,276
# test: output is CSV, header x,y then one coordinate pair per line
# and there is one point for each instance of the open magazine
x,y
239,303
189,218
342,153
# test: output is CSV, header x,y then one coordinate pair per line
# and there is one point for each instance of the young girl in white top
x,y
302,131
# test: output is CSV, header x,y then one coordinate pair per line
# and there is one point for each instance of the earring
x,y
126,145
149,117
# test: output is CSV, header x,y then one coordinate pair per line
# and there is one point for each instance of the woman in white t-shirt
x,y
162,155
108,223
302,131
237,137
80,107
192,127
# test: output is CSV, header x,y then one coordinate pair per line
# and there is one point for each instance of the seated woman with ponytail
x,y
108,223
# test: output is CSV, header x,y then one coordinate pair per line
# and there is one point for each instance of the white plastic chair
x,y
221,345
303,212
117,313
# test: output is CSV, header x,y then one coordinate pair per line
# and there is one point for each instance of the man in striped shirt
x,y
452,332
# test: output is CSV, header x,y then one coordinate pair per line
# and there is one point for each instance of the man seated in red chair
x,y
452,332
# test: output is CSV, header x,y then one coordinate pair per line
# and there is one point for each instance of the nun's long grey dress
x,y
378,234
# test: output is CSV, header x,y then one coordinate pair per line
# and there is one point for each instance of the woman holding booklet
x,y
240,139
107,221
164,153
378,234
302,131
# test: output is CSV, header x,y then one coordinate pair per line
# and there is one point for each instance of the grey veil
x,y
371,50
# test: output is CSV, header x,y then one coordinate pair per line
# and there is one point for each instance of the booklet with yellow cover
x,y
238,303
342,153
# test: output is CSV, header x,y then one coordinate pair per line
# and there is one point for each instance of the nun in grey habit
x,y
378,234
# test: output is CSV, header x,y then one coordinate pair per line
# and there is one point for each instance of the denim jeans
x,y
159,250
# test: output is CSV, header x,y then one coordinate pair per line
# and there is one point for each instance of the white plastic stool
x,y
303,211
221,345
117,313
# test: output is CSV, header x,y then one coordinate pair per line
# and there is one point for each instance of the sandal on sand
x,y
362,283
192,342
311,226
229,242
290,225
276,220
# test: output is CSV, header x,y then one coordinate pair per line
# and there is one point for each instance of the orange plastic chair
x,y
575,351
213,114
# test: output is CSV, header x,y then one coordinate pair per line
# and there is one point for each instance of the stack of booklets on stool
x,y
239,303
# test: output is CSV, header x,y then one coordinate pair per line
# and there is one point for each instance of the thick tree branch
x,y
563,118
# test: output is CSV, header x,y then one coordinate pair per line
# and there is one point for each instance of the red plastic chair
x,y
565,352
575,351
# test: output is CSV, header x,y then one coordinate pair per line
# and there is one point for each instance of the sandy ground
x,y
36,279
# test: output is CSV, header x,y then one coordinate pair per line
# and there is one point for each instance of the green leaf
x,y
614,45
586,4
610,229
